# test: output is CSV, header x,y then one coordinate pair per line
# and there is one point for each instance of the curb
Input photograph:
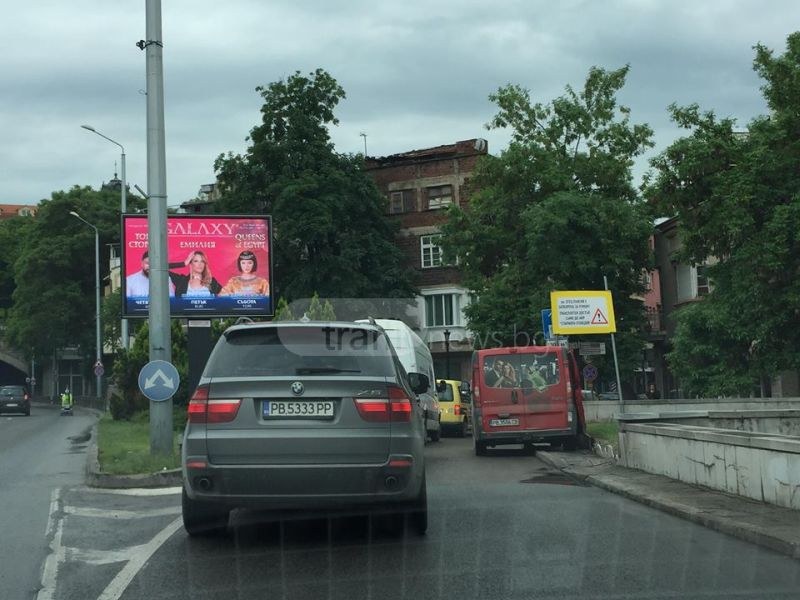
x,y
701,517
97,479
748,533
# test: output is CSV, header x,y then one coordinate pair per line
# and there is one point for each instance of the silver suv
x,y
313,417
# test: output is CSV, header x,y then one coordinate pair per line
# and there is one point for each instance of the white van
x,y
415,358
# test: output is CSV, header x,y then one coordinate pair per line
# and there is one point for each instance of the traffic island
x,y
119,456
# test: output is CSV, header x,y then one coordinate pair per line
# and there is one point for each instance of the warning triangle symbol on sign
x,y
599,318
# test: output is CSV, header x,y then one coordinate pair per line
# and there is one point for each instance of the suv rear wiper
x,y
322,370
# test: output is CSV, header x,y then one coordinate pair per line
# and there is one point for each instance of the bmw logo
x,y
298,388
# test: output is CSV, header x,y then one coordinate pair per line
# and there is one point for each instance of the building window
x,y
401,202
703,285
440,196
647,280
431,251
441,310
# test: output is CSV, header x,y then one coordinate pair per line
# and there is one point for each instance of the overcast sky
x,y
417,73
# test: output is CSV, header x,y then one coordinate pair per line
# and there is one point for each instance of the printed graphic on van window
x,y
524,370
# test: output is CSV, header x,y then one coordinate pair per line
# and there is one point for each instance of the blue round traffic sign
x,y
159,380
590,372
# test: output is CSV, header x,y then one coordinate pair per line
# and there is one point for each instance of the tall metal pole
x,y
123,209
160,342
616,362
98,328
123,206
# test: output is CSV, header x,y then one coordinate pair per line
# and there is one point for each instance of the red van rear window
x,y
522,370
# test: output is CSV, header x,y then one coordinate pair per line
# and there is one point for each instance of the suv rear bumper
x,y
286,487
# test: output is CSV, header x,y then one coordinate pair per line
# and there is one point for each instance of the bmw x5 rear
x,y
302,416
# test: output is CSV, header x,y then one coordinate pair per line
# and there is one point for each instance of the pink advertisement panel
x,y
218,265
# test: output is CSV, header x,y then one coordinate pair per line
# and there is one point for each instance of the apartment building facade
x,y
419,186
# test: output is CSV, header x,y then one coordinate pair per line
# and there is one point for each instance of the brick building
x,y
419,184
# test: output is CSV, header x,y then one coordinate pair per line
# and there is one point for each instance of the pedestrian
x,y
652,392
66,400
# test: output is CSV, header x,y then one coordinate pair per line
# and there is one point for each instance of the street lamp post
x,y
123,207
447,353
98,339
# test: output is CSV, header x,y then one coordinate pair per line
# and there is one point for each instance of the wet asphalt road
x,y
502,526
37,457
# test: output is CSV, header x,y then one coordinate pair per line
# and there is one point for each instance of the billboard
x,y
218,266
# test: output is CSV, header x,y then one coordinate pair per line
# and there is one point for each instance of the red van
x,y
525,395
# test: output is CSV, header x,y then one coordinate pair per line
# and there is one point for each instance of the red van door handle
x,y
514,399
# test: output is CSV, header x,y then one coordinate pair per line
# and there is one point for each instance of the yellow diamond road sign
x,y
581,312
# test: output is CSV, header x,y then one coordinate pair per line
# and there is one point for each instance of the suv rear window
x,y
289,351
11,390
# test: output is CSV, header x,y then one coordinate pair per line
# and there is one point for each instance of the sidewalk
x,y
763,524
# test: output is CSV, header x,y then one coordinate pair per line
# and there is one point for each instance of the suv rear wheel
x,y
203,518
480,448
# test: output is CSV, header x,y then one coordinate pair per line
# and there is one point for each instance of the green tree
x,y
319,311
13,234
284,313
111,311
54,271
557,210
332,233
737,197
128,399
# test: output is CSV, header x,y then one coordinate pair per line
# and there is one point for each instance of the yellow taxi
x,y
456,406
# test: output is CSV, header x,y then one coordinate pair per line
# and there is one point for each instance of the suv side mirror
x,y
419,382
441,386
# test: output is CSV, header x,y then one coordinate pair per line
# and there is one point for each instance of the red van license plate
x,y
503,422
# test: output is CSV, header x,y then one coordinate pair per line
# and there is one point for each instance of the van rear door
x,y
543,379
501,404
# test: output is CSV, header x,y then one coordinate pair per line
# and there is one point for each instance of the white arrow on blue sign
x,y
159,380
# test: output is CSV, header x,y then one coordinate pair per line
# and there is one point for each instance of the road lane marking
x,y
134,491
55,527
142,554
99,513
101,557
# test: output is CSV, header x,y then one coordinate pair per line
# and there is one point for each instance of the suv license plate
x,y
503,422
282,409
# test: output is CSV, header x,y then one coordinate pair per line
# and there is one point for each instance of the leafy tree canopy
x,y
53,302
332,233
736,195
557,210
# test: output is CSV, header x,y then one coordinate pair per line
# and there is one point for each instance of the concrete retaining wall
x,y
760,466
782,422
606,410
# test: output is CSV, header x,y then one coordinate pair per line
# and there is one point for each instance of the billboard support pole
x,y
199,346
616,362
161,436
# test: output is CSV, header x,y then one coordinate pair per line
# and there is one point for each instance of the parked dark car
x,y
15,399
317,417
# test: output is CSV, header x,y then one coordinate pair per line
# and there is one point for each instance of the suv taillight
x,y
397,407
457,409
203,410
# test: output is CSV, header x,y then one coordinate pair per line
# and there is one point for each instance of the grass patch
x,y
605,431
124,447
